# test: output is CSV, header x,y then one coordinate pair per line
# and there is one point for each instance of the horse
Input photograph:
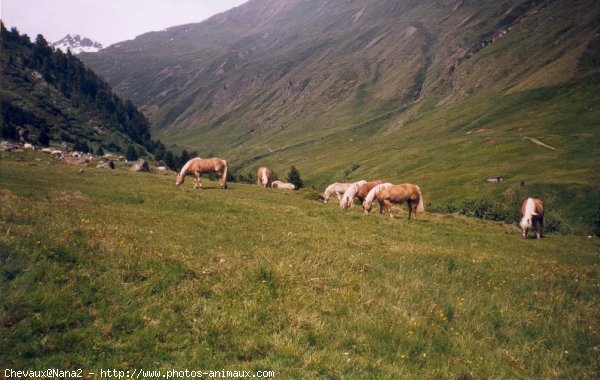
x,y
263,177
532,215
337,188
406,192
371,195
282,185
347,200
361,192
199,166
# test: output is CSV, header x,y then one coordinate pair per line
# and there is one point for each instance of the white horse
x,y
282,185
263,177
338,188
348,197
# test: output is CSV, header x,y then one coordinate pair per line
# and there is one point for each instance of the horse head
x,y
525,226
367,206
179,180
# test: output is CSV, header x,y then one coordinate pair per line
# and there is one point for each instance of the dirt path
x,y
538,142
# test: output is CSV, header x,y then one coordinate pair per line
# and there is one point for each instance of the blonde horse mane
x,y
528,214
371,195
185,167
264,180
348,197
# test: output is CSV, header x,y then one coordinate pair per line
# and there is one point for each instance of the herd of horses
x,y
386,194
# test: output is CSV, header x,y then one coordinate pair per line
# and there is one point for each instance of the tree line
x,y
82,87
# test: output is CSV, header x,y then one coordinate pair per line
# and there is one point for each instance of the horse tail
x,y
420,205
224,176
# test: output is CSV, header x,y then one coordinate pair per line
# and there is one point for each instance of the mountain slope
x,y
53,94
270,64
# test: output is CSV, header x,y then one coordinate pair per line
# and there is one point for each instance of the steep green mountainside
x,y
439,93
54,95
272,67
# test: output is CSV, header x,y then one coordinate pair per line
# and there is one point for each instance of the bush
x,y
294,177
43,139
553,224
484,209
131,154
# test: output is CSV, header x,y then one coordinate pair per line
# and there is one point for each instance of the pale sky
x,y
105,21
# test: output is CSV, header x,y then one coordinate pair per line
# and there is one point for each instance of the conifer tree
x,y
294,177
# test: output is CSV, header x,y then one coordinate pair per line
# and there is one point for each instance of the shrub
x,y
485,209
131,154
554,224
43,139
294,177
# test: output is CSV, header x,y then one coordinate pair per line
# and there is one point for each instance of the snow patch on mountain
x,y
77,44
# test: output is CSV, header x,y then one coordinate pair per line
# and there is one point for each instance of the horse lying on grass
x,y
198,166
532,215
282,185
406,192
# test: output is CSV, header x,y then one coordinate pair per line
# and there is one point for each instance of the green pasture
x,y
113,269
449,150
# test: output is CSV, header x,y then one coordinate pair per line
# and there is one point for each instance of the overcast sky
x,y
105,21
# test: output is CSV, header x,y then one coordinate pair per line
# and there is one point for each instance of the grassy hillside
x,y
124,270
442,94
449,151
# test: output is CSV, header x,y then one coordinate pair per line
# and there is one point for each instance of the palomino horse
x,y
360,190
406,192
198,166
282,185
338,188
263,177
532,215
374,191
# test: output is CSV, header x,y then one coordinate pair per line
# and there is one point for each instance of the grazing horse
x,y
406,192
373,192
338,188
198,166
347,200
532,215
282,185
360,191
263,177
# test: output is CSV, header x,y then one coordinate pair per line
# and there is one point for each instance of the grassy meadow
x,y
448,150
113,269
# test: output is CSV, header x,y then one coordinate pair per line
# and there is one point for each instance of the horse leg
x,y
409,204
338,195
381,207
414,206
388,208
198,184
539,231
